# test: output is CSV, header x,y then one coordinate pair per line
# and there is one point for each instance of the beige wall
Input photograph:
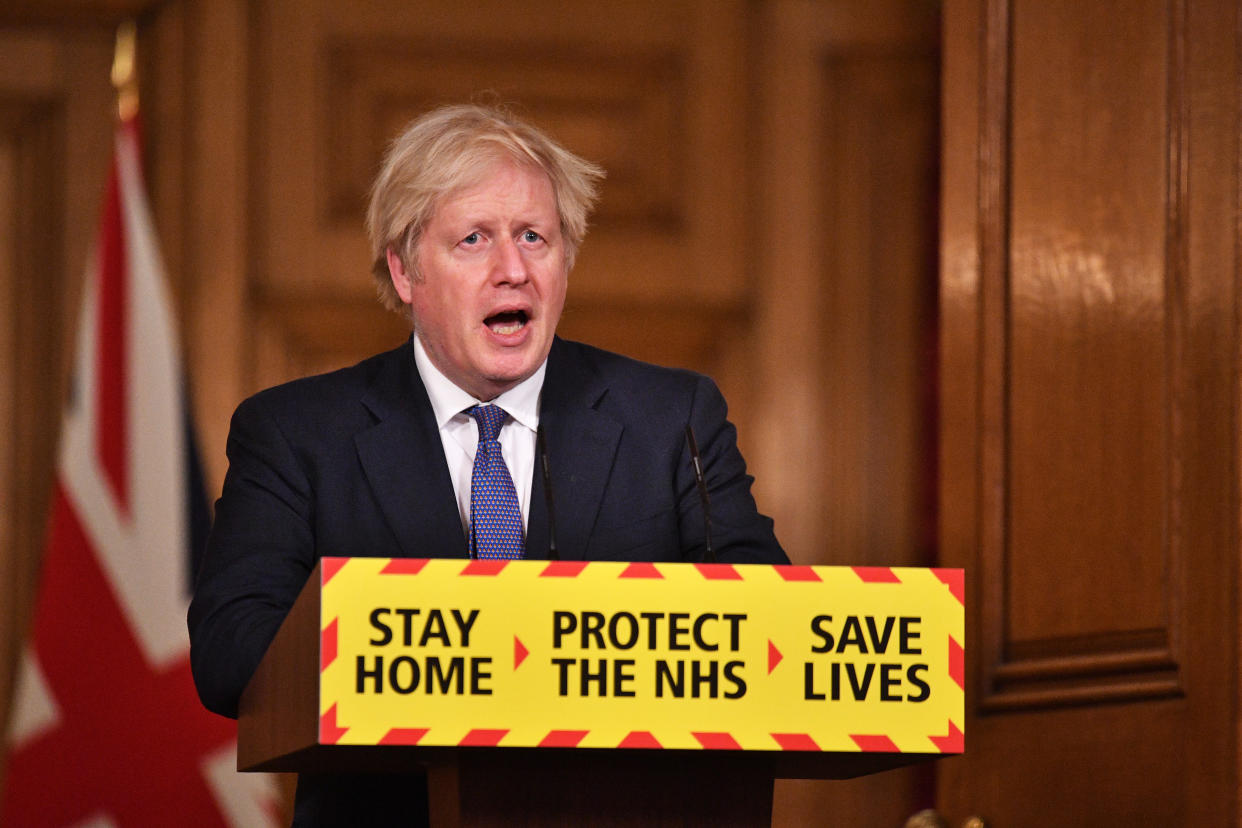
x,y
769,218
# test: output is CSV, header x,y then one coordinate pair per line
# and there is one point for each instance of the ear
x,y
402,280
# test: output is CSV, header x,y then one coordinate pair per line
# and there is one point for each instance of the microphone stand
x,y
709,554
542,448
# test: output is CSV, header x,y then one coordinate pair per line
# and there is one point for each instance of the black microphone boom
x,y
709,554
553,555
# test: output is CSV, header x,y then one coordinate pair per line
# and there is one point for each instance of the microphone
x,y
542,448
697,462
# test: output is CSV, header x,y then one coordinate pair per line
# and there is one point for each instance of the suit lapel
x,y
402,457
581,443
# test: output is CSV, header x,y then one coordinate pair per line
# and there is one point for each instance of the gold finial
x,y
125,70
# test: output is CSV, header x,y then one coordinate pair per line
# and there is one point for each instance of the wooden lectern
x,y
280,730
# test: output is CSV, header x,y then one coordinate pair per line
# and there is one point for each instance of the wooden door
x,y
1089,407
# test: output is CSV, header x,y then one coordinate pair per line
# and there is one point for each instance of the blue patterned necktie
x,y
495,516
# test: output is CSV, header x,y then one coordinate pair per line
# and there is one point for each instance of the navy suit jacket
x,y
351,463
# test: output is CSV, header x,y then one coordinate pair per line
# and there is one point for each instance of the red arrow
x,y
774,656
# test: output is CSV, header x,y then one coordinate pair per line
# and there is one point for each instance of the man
x,y
475,220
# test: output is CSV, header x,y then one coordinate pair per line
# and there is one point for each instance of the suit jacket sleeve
x,y
259,555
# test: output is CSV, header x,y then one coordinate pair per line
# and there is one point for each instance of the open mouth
x,y
507,322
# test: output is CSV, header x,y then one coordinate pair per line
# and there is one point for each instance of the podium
x,y
515,704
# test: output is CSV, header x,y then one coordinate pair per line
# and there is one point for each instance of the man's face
x,y
493,275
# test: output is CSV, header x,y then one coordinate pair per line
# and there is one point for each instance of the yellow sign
x,y
604,655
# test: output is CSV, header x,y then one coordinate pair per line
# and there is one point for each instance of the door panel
x,y
1089,406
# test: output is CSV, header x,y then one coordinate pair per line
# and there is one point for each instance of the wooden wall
x,y
768,218
1062,418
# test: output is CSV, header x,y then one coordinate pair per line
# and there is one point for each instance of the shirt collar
x,y
521,401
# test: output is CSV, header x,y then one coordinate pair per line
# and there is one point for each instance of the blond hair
x,y
451,148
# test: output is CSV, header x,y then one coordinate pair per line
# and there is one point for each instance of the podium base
x,y
642,789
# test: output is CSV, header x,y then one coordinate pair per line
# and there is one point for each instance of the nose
x,y
510,265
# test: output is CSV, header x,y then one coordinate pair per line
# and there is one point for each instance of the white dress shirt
x,y
460,433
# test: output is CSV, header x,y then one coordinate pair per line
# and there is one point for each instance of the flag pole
x,y
125,70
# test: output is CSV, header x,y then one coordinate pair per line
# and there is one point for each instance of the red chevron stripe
x,y
329,567
955,579
797,573
563,738
641,570
957,663
328,645
874,743
955,742
482,738
717,741
563,569
640,739
329,733
795,741
718,572
484,566
403,736
876,574
404,566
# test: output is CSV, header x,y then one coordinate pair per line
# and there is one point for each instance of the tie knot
x,y
490,418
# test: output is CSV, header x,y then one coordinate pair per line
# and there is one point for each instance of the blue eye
x,y
473,238
530,236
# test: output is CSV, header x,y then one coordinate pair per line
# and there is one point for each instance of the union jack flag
x,y
106,726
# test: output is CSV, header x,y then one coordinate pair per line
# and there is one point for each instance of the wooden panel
x,y
1089,407
681,337
846,190
49,90
1081,278
11,563
622,108
650,91
847,222
878,128
33,374
298,338
73,13
208,202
